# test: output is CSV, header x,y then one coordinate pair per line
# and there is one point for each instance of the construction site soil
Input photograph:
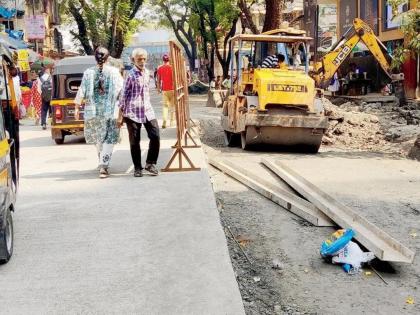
x,y
363,163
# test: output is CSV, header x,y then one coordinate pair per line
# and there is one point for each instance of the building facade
x,y
11,15
52,43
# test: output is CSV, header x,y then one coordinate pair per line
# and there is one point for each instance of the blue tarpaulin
x,y
12,43
7,13
15,34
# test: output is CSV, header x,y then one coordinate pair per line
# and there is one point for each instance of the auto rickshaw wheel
x,y
60,140
6,240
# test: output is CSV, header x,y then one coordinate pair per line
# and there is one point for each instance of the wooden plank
x,y
369,235
290,202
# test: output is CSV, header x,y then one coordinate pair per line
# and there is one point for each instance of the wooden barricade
x,y
182,113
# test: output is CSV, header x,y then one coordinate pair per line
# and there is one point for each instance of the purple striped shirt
x,y
135,97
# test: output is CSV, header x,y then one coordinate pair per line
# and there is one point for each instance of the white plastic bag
x,y
352,254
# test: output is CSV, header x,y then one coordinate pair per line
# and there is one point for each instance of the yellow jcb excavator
x,y
324,69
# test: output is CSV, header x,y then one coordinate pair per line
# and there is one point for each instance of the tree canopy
x,y
107,23
202,27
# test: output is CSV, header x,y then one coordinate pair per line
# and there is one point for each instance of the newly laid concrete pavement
x,y
122,245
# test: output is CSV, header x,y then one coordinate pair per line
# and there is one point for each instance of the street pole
x,y
316,35
33,13
16,20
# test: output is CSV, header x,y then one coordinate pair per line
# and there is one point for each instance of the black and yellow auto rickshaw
x,y
67,77
9,153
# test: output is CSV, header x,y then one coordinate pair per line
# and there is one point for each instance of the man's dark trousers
x,y
152,129
44,111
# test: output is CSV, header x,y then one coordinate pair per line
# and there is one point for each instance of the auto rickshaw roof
x,y
270,38
74,65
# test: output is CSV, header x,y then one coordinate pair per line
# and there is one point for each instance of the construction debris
x,y
382,127
415,150
369,235
349,128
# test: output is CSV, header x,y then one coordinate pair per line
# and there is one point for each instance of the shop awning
x,y
12,43
7,13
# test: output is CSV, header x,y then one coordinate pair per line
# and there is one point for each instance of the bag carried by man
x,y
46,89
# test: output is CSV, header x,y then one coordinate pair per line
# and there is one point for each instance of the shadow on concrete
x,y
47,141
121,159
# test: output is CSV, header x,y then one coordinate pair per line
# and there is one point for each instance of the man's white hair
x,y
138,52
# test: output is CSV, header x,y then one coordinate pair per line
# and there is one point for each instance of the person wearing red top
x,y
166,86
36,101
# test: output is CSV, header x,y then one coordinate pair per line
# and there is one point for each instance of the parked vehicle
x,y
67,77
9,154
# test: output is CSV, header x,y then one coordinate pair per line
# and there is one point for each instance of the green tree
x,y
175,14
215,21
108,23
246,16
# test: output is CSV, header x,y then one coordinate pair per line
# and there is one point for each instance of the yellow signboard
x,y
23,54
23,60
24,66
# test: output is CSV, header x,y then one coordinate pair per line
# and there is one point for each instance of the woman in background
x,y
36,100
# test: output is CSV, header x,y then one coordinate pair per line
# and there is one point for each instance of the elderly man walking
x,y
136,110
100,89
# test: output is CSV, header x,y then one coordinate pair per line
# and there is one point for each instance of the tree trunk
x,y
273,14
246,17
118,47
135,6
185,38
225,59
113,32
210,67
193,51
82,34
418,77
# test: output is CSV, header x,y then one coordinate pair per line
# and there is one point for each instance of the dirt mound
x,y
415,150
349,128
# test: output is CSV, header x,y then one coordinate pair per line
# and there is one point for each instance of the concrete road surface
x,y
122,245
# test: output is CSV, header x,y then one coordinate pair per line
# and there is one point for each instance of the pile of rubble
x,y
350,128
415,150
372,126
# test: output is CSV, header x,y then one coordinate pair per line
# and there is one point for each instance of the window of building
x,y
389,23
7,24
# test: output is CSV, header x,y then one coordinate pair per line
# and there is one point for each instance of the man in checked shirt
x,y
136,110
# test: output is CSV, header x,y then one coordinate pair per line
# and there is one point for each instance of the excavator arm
x,y
325,69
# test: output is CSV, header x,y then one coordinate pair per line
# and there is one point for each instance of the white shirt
x,y
16,87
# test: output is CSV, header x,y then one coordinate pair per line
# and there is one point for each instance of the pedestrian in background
x,y
166,86
36,100
136,110
100,89
45,89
